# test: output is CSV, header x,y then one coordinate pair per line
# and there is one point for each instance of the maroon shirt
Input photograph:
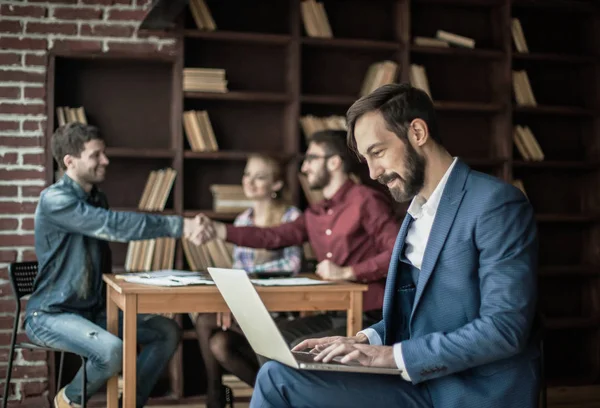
x,y
356,228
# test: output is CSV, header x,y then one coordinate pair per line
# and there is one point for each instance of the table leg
x,y
129,350
112,325
354,315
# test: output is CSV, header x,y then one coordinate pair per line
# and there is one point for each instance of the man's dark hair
x,y
70,139
399,105
334,144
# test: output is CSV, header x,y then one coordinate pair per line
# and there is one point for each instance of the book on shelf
x,y
65,115
519,184
214,253
522,89
431,42
418,78
199,131
518,36
229,198
202,15
145,255
204,80
311,124
379,74
527,144
314,18
455,39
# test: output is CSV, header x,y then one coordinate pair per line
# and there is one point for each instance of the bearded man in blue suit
x,y
459,307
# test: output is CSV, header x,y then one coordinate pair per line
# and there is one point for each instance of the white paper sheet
x,y
289,282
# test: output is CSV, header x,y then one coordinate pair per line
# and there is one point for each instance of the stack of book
x,y
527,144
518,36
199,131
455,39
418,78
204,80
214,253
66,115
311,124
146,255
202,15
315,19
379,74
229,198
522,89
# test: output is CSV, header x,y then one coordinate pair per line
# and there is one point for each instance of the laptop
x,y
261,331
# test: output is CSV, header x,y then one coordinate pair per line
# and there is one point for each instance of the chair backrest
x,y
22,275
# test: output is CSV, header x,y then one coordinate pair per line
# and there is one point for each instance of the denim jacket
x,y
72,230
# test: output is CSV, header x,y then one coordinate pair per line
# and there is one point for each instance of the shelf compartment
x,y
139,153
458,52
350,43
240,96
200,175
238,37
555,57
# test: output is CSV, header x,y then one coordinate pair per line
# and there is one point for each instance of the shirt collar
x,y
339,195
419,204
79,191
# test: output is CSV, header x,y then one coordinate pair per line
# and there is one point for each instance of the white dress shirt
x,y
423,212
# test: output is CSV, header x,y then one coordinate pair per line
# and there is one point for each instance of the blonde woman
x,y
222,343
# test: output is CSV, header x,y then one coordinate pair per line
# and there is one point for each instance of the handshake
x,y
202,229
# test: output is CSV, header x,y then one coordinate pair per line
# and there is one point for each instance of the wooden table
x,y
134,298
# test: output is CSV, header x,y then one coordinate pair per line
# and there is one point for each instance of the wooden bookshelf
x,y
276,73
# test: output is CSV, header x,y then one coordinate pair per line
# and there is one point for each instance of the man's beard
x,y
321,180
415,179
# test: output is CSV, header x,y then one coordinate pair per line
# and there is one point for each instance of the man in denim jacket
x,y
72,228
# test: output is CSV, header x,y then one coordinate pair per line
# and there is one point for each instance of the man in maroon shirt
x,y
352,231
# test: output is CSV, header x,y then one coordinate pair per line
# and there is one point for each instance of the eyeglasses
x,y
311,157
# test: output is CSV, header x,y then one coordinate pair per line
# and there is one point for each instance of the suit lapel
x,y
390,283
446,212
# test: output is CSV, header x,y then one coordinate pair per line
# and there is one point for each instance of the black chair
x,y
22,275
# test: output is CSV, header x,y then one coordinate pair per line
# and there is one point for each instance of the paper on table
x,y
159,274
170,280
289,282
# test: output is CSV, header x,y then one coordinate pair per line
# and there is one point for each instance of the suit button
x,y
328,232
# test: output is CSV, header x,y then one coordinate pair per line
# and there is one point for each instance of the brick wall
x,y
28,29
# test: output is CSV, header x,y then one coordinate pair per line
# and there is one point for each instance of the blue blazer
x,y
471,321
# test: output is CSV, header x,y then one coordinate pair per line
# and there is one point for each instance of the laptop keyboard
x,y
307,357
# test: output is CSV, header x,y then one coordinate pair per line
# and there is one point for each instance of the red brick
x,y
20,76
11,108
23,43
6,322
9,191
29,141
132,47
104,30
11,389
35,371
14,208
136,15
98,2
9,158
36,402
31,191
8,26
7,224
29,389
34,355
23,11
10,59
143,3
8,256
52,28
75,45
33,125
72,13
20,174
34,158
10,92
35,60
16,240
35,93
28,255
8,125
4,275
27,224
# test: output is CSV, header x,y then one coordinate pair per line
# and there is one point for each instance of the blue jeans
x,y
278,385
87,336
